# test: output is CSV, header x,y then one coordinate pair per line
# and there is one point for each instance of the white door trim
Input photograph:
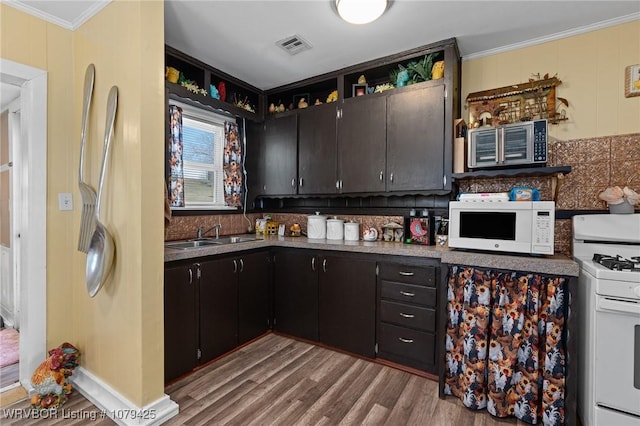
x,y
30,239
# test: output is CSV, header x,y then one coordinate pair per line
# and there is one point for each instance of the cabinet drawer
x,y
408,274
408,293
406,343
408,316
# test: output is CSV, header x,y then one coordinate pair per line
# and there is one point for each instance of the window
x,y
203,141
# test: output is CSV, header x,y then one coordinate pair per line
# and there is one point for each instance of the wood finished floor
x,y
279,381
9,374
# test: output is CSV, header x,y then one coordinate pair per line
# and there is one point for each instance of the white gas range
x,y
607,248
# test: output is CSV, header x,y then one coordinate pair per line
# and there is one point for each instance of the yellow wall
x,y
120,331
33,42
591,67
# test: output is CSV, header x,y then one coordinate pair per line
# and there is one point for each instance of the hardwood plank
x,y
366,400
426,402
376,416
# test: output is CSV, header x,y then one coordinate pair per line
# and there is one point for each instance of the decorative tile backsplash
x,y
596,164
185,227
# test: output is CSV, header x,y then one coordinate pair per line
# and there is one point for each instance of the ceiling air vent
x,y
294,44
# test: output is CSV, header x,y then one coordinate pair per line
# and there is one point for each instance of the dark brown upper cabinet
x,y
317,150
416,139
362,128
279,153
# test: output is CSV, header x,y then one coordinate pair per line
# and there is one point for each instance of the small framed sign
x,y
359,90
281,230
632,81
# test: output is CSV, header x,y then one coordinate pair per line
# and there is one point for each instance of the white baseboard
x,y
117,407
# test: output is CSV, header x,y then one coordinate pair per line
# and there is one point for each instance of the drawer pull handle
x,y
406,293
405,340
402,314
406,274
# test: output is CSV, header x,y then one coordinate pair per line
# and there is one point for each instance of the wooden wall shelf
x,y
180,92
529,171
556,173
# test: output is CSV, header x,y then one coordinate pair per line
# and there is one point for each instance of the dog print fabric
x,y
232,165
505,349
176,174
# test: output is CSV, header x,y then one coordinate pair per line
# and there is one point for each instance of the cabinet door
x,y
347,300
254,161
362,135
295,296
415,139
180,322
218,308
279,156
317,150
253,295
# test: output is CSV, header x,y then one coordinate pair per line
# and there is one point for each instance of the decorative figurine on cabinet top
x,y
438,70
222,89
213,91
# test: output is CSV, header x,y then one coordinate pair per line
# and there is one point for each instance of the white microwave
x,y
508,226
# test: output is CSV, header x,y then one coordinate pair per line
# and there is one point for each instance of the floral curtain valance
x,y
505,344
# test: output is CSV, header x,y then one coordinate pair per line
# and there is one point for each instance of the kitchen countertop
x,y
555,265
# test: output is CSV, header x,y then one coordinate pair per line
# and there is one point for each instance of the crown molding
x,y
96,7
556,36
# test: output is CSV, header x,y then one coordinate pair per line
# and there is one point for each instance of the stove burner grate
x,y
617,262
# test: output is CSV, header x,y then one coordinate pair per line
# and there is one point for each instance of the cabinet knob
x,y
381,176
301,181
391,177
293,183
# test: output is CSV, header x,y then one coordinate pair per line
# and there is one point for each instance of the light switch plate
x,y
65,201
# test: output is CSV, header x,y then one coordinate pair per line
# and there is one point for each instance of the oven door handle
x,y
618,306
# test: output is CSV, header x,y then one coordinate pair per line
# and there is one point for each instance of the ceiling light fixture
x,y
361,11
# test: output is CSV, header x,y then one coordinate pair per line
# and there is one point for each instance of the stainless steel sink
x,y
192,244
183,245
235,239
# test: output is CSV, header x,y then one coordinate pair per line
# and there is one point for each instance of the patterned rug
x,y
9,349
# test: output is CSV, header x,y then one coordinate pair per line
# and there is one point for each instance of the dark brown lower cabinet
x,y
180,321
326,297
295,293
218,308
359,303
407,317
347,303
213,305
254,313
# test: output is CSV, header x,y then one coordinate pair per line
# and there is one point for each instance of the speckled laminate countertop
x,y
555,265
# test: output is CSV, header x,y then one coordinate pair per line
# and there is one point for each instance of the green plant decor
x,y
418,70
421,70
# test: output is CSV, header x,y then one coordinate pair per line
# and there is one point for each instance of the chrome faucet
x,y
202,233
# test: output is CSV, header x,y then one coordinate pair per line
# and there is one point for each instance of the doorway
x,y
9,292
27,234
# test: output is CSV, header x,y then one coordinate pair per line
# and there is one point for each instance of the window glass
x,y
203,146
